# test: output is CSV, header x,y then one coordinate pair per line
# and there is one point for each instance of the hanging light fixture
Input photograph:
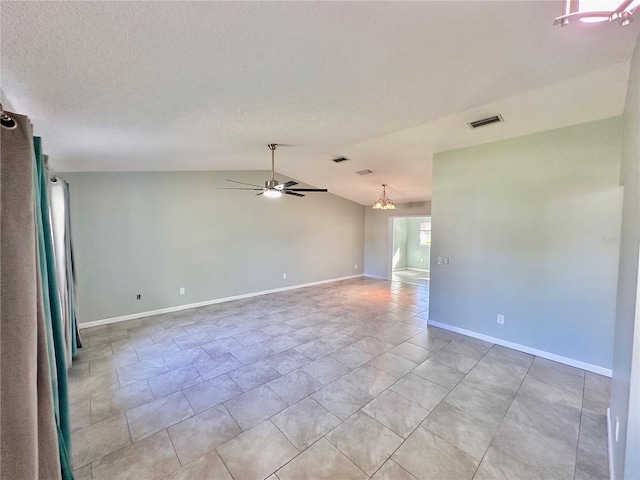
x,y
383,202
595,11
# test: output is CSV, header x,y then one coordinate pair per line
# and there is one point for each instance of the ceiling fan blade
x,y
307,190
289,192
239,188
287,185
258,194
242,183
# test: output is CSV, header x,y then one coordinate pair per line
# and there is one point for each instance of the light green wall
x,y
417,255
152,233
399,250
625,392
377,236
529,225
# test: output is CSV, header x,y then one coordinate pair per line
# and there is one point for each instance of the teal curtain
x,y
53,312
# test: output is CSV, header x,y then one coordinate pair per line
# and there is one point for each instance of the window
x,y
425,233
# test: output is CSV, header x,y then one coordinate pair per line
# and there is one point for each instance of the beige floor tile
x,y
315,349
281,343
221,346
469,347
273,452
373,346
592,446
482,405
202,433
196,339
497,465
326,370
255,406
535,448
211,393
143,370
251,354
294,386
96,441
287,361
152,417
151,458
153,351
174,381
322,461
420,391
428,457
351,357
411,352
83,389
505,354
366,442
497,377
80,413
392,471
254,375
217,366
83,473
119,399
454,360
207,467
427,341
341,398
370,380
468,433
396,412
186,357
305,422
439,374
392,364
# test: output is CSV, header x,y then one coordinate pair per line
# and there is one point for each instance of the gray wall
x,y
418,256
377,233
625,396
152,233
528,225
399,243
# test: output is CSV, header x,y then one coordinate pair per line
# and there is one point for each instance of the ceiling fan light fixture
x,y
383,202
272,193
598,11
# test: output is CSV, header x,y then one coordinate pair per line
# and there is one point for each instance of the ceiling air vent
x,y
364,172
341,159
486,121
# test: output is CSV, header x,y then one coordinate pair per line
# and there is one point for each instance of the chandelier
x,y
383,202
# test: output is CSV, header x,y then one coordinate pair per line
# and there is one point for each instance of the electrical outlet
x,y
445,260
181,290
439,260
355,267
284,276
500,319
138,297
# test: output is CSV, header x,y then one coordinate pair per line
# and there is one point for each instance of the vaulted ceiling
x,y
137,86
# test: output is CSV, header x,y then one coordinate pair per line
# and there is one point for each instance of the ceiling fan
x,y
272,188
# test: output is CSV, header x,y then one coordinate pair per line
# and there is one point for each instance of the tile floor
x,y
340,381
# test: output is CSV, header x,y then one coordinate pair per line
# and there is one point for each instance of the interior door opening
x,y
410,250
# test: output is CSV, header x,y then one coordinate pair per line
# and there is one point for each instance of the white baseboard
x,y
132,316
612,475
377,277
417,269
523,348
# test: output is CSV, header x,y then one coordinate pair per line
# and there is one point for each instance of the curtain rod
x,y
5,120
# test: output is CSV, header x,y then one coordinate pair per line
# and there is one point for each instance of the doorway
x,y
410,250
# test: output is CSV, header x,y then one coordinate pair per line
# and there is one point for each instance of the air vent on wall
x,y
486,121
341,159
364,172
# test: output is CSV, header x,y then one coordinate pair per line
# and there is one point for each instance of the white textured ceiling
x,y
205,85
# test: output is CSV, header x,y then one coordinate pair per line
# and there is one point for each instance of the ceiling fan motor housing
x,y
271,183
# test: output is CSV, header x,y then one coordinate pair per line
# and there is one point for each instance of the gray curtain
x,y
28,431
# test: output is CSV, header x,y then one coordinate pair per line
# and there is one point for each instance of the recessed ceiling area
x,y
138,86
